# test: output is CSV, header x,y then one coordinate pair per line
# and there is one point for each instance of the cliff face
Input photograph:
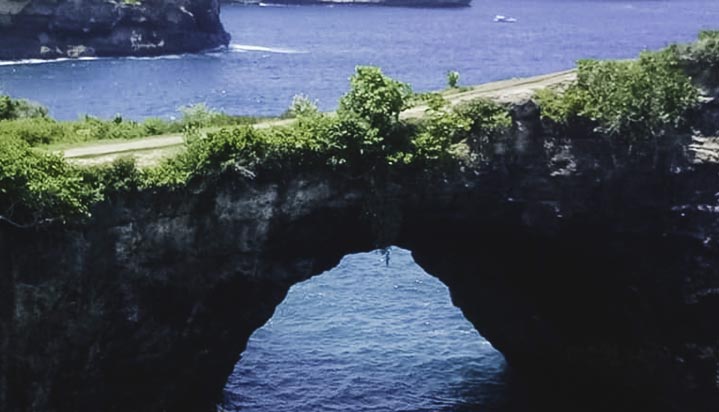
x,y
575,256
77,28
149,308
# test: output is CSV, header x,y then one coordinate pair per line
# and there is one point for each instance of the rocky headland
x,y
388,3
47,29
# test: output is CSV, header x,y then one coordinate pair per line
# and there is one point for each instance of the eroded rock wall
x,y
149,308
80,28
586,263
575,255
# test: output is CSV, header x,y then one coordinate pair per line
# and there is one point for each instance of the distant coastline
x,y
50,29
388,3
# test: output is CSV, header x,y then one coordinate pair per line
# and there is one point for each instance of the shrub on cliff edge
x,y
700,59
366,139
19,109
453,79
375,97
39,187
632,99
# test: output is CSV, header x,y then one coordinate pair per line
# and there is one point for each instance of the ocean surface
x,y
279,52
364,336
367,336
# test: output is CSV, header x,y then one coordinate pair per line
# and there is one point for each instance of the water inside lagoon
x,y
363,337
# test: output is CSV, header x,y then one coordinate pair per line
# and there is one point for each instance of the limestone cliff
x,y
77,28
577,257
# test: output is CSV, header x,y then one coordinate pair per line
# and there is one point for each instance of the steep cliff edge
x,y
574,256
579,236
78,28
581,262
150,309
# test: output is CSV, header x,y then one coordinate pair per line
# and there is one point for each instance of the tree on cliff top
x,y
375,98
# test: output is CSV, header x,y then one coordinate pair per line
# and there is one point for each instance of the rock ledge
x,y
49,29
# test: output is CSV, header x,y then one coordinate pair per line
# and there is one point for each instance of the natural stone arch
x,y
607,268
368,325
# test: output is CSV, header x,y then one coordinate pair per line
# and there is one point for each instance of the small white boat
x,y
504,19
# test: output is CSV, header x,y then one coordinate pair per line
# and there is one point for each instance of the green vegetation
x,y
302,106
453,79
632,99
39,187
18,109
638,99
446,131
366,139
29,122
375,98
365,136
700,60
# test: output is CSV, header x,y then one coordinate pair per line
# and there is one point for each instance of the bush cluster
x,y
35,186
453,79
365,136
700,60
365,139
634,99
18,109
29,122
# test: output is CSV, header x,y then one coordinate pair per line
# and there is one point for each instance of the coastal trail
x,y
503,91
150,150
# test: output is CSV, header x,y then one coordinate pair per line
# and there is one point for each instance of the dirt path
x,y
503,91
129,146
149,150
103,152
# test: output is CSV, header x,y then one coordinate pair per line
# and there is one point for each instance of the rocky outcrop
x,y
80,28
390,3
580,258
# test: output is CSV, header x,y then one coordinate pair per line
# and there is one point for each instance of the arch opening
x,y
368,336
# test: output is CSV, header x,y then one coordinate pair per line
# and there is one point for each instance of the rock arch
x,y
564,254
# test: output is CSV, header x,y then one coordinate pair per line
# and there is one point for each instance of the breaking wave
x,y
242,48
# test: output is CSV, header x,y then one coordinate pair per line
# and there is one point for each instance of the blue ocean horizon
x,y
279,52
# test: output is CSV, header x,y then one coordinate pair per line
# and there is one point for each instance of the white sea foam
x,y
43,61
237,48
242,48
68,59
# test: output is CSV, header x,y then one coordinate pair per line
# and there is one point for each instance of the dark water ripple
x,y
365,337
